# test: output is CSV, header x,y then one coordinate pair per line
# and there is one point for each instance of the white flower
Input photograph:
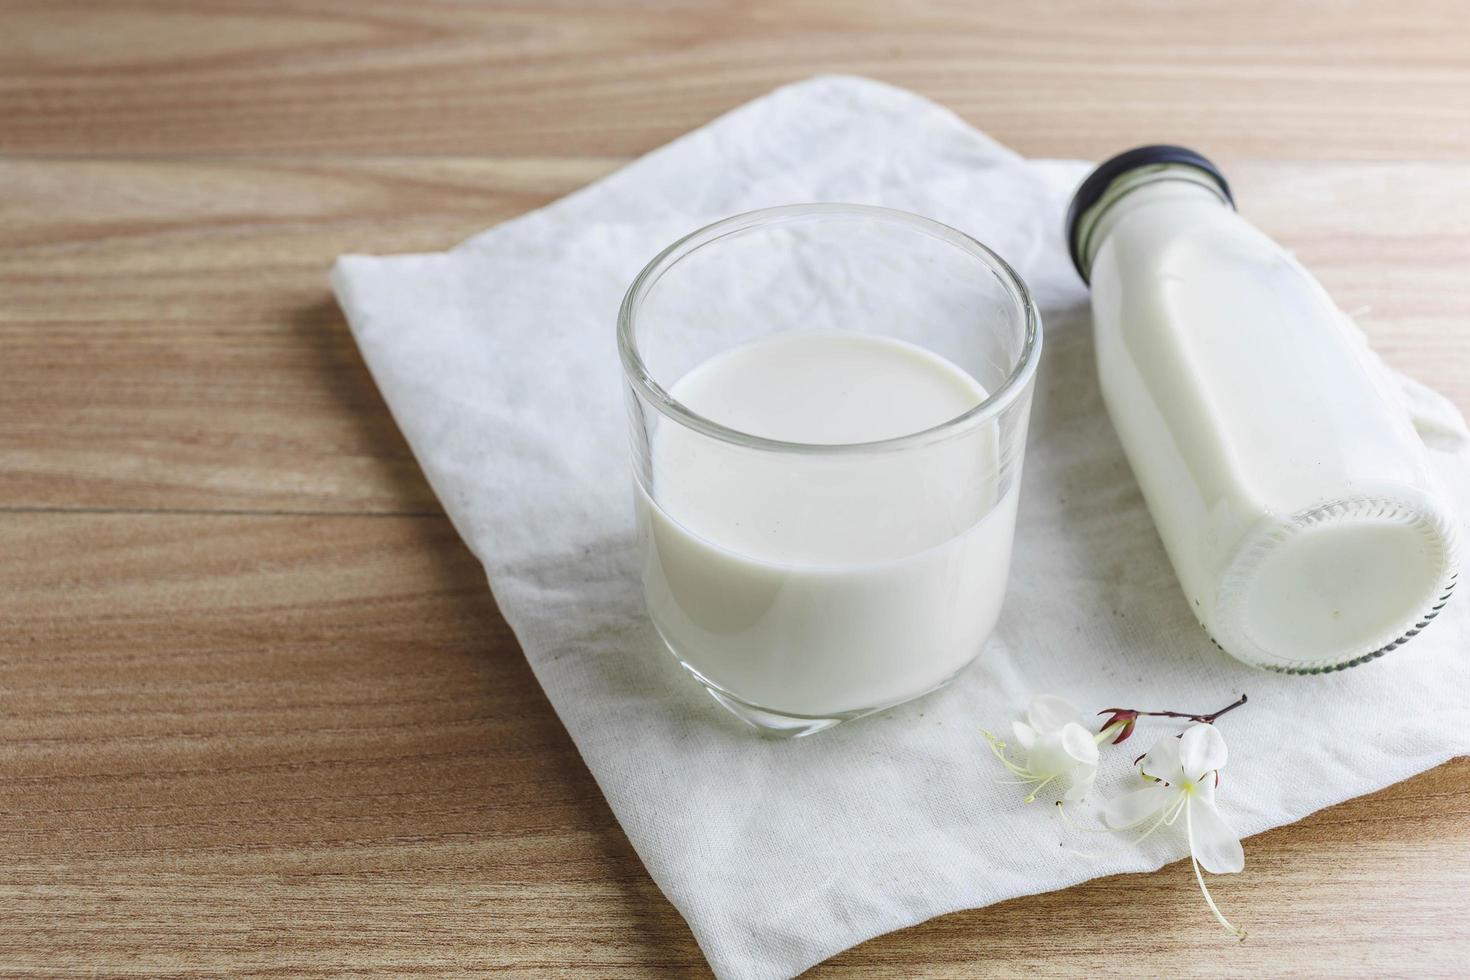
x,y
1183,773
1059,748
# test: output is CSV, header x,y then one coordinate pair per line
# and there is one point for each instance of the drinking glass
x,y
809,580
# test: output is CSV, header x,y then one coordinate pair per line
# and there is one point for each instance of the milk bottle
x,y
1291,491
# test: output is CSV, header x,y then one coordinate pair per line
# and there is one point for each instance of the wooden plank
x,y
170,341
1312,80
309,745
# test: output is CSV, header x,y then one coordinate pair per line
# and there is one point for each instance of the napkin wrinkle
x,y
498,361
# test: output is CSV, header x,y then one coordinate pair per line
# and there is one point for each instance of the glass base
x,y
773,723
781,724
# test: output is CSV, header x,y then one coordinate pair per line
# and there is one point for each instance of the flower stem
x,y
1205,719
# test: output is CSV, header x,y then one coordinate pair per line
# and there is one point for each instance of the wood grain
x,y
258,712
171,341
306,744
204,770
1318,80
211,367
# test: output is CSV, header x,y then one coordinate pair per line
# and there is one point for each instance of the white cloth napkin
x,y
498,361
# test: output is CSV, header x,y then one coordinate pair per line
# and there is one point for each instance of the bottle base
x,y
1277,668
1336,585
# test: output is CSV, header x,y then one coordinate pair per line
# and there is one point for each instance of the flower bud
x,y
1127,717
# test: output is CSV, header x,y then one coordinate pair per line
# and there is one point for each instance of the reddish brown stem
x,y
1206,719
1126,718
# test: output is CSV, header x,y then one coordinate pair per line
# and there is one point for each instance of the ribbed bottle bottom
x,y
1337,585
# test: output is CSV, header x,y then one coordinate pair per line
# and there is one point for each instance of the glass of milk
x,y
828,408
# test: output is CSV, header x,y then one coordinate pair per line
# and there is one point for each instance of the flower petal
x,y
1048,757
1201,749
1048,713
1133,808
1025,734
1162,761
1082,781
1216,847
1079,743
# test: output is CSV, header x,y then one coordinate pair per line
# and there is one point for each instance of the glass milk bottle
x,y
1292,493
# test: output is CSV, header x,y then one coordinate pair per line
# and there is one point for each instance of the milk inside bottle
x,y
1292,493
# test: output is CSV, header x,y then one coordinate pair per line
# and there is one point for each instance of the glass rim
x,y
637,374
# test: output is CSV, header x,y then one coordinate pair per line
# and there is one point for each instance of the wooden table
x,y
258,710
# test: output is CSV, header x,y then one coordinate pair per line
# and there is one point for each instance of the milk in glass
x,y
813,586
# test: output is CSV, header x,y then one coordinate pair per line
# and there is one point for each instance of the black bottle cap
x,y
1097,182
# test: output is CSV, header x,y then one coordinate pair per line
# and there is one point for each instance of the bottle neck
x,y
1169,182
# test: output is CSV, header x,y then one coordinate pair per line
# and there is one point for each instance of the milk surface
x,y
817,583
